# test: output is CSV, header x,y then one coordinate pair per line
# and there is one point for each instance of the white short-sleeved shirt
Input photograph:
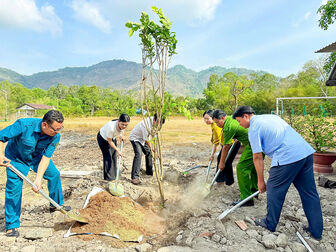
x,y
110,130
139,133
273,136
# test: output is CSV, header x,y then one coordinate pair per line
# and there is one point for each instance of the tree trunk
x,y
92,109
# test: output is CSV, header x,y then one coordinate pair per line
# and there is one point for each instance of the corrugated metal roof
x,y
37,106
328,48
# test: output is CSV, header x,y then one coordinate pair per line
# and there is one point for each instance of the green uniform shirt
x,y
232,130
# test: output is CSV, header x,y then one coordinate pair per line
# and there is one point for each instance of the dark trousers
x,y
109,158
138,148
227,174
301,174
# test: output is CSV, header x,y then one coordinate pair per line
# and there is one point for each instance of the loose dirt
x,y
188,221
119,216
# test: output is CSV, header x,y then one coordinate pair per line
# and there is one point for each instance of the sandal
x,y
13,233
259,222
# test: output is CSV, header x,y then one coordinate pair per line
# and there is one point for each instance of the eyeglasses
x,y
56,130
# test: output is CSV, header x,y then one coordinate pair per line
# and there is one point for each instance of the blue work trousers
x,y
14,183
301,174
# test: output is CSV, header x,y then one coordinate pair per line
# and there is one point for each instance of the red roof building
x,y
29,109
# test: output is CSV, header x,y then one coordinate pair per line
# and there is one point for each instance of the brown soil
x,y
120,216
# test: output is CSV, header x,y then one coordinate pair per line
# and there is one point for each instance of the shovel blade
x,y
75,217
115,188
205,189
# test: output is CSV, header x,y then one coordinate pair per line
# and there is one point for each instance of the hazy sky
x,y
277,36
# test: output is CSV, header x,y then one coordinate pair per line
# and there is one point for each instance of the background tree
x,y
4,91
60,91
226,92
328,17
90,97
328,14
329,62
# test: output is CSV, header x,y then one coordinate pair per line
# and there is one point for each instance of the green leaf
x,y
130,32
129,24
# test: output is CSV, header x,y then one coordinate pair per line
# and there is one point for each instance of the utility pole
x,y
5,92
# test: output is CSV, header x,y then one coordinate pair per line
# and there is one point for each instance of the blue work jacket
x,y
26,143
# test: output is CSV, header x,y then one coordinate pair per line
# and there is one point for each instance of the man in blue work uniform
x,y
292,162
31,143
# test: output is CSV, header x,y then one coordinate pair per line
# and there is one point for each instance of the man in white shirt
x,y
139,139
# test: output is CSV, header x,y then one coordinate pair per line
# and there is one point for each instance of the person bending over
x,y
107,142
139,139
31,144
246,173
226,175
292,162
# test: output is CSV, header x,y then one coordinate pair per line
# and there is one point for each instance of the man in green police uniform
x,y
246,173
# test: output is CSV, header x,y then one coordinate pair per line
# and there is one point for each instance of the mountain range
x,y
122,74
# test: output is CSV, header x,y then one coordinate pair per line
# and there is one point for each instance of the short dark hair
x,y
208,112
52,116
243,110
124,118
218,114
163,119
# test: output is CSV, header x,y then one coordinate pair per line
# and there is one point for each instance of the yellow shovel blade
x,y
115,188
205,189
75,217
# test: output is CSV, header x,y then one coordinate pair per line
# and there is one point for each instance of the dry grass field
x,y
176,130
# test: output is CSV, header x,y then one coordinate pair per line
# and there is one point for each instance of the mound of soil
x,y
119,216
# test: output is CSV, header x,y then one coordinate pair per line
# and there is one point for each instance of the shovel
x,y
115,188
227,211
70,215
185,172
208,186
209,166
208,171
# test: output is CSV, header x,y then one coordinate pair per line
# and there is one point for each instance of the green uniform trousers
x,y
247,174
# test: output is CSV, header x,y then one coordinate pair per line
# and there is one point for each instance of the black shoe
x,y
149,173
259,221
306,229
65,208
246,204
228,183
13,233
